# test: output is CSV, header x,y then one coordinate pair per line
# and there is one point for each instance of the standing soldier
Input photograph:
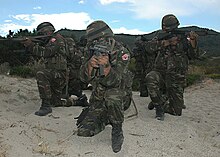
x,y
52,79
173,52
104,69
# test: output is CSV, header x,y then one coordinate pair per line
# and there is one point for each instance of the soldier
x,y
52,79
74,84
104,68
144,63
173,51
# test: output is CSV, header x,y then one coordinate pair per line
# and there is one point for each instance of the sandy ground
x,y
22,134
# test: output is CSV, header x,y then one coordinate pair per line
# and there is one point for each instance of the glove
x,y
96,61
93,62
193,35
193,39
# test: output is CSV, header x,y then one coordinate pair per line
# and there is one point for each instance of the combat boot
x,y
117,137
44,109
81,101
144,94
175,111
159,112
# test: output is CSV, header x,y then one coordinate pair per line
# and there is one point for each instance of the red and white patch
x,y
125,57
53,40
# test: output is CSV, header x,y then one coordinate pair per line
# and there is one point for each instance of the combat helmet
x,y
169,22
98,29
45,27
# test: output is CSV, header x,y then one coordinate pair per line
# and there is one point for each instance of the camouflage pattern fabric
x,y
107,95
51,80
144,64
74,61
127,81
50,85
170,67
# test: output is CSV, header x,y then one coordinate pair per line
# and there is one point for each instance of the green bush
x,y
135,84
193,78
23,71
131,65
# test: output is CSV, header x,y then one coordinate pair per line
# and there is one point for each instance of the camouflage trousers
x,y
75,87
173,83
50,85
99,114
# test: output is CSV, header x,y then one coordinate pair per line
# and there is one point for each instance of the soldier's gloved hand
x,y
193,35
165,43
193,38
27,42
104,60
93,62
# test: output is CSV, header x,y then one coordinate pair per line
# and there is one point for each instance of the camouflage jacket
x,y
74,58
111,85
144,58
173,58
54,52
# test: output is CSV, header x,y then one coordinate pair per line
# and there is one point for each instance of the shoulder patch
x,y
53,40
125,57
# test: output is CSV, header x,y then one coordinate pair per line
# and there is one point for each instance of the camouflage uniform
x,y
127,82
74,84
144,64
106,100
170,68
52,79
74,62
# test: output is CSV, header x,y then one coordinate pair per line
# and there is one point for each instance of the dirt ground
x,y
22,134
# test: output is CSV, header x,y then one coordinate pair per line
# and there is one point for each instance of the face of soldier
x,y
164,28
47,37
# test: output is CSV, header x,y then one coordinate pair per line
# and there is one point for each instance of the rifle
x,y
22,39
99,50
167,35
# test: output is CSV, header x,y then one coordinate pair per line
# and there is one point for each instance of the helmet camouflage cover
x,y
45,27
98,29
170,22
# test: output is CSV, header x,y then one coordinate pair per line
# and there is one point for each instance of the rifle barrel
x,y
200,32
32,38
